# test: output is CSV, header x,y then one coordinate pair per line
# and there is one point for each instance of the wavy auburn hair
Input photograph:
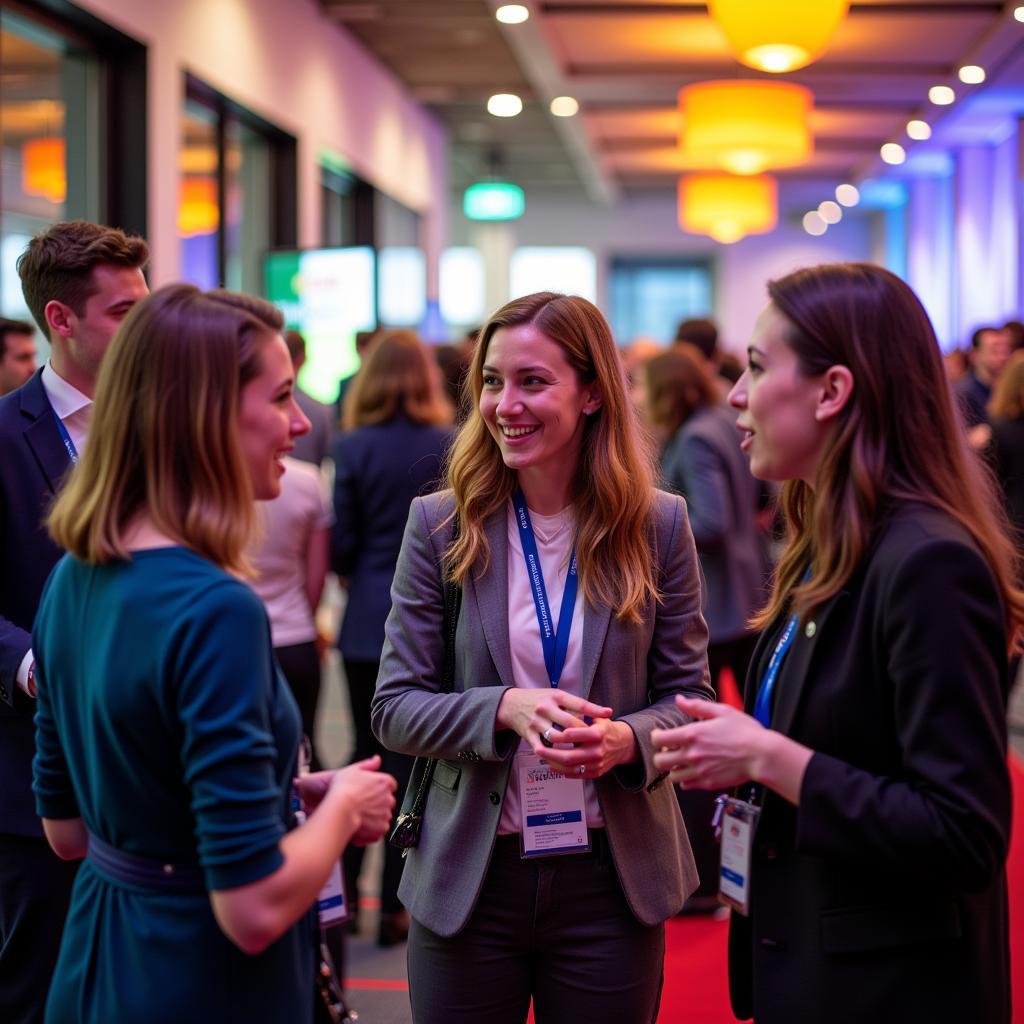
x,y
164,437
897,439
398,375
613,490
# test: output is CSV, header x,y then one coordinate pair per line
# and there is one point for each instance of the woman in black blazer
x,y
875,888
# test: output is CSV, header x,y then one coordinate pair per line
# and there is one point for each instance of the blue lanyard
x,y
554,640
763,702
66,438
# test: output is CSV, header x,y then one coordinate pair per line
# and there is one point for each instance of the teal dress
x,y
165,725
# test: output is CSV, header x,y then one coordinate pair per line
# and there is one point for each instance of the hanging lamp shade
x,y
746,126
778,35
727,206
43,169
198,212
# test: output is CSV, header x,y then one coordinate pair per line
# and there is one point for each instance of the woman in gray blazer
x,y
551,852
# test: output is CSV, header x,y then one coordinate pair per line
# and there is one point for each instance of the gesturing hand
x,y
596,748
717,751
368,793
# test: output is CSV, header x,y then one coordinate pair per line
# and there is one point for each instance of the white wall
x,y
647,226
284,61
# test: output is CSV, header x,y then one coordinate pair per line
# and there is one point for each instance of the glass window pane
x,y
198,211
555,268
402,286
650,298
247,206
462,286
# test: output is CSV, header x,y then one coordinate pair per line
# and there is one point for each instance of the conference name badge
x,y
553,809
738,823
331,903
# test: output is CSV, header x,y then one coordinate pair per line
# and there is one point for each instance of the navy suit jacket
x,y
378,470
33,462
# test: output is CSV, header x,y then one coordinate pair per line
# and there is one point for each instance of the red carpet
x,y
696,986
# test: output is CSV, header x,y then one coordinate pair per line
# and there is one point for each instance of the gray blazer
x,y
704,464
635,669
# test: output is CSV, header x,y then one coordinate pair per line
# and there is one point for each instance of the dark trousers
x,y
300,664
698,805
362,680
557,929
35,890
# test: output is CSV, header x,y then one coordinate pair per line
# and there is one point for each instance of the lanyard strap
x,y
554,640
763,702
66,438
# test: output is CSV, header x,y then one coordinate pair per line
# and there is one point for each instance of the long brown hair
x,y
164,438
678,384
897,439
398,375
613,490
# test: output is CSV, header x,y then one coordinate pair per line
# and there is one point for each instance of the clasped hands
x,y
555,725
368,793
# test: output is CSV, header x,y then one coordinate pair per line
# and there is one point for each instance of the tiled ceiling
x,y
626,61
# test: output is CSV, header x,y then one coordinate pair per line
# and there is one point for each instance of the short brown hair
x,y
398,375
12,327
164,434
58,263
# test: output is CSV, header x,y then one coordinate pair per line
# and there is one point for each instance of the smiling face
x,y
268,418
535,407
780,418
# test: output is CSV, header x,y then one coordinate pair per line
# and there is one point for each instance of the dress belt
x,y
131,869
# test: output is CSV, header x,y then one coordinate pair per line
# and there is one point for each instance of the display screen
x,y
327,295
402,286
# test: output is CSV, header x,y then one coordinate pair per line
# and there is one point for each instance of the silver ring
x,y
583,769
546,735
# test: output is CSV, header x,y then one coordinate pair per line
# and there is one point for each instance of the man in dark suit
x,y
79,280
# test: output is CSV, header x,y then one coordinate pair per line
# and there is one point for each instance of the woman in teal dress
x,y
167,740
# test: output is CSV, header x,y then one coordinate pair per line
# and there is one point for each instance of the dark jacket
x,y
883,896
32,462
379,469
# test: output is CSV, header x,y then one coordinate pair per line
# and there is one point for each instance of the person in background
x,y
396,430
79,280
17,353
703,335
1006,416
872,752
290,559
554,493
701,460
990,351
362,343
1015,331
956,364
315,445
167,741
453,362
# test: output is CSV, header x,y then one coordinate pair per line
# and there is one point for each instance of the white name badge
x,y
739,820
553,809
331,902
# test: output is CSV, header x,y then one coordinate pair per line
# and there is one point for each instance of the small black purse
x,y
406,833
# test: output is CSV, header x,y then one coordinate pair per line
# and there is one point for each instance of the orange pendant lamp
x,y
44,170
727,206
198,212
778,35
746,127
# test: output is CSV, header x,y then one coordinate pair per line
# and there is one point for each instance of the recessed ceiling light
x,y
564,106
941,95
1018,13
512,14
971,74
919,130
814,224
848,195
830,212
893,153
504,104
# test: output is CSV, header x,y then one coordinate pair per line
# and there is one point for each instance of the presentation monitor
x,y
328,295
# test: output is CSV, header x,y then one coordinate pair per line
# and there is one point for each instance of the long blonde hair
x,y
398,375
613,490
164,438
897,440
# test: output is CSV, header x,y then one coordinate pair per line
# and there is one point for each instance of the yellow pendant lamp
x,y
198,212
43,169
778,35
746,126
727,206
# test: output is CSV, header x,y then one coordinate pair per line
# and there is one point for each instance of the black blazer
x,y
32,463
378,470
883,896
